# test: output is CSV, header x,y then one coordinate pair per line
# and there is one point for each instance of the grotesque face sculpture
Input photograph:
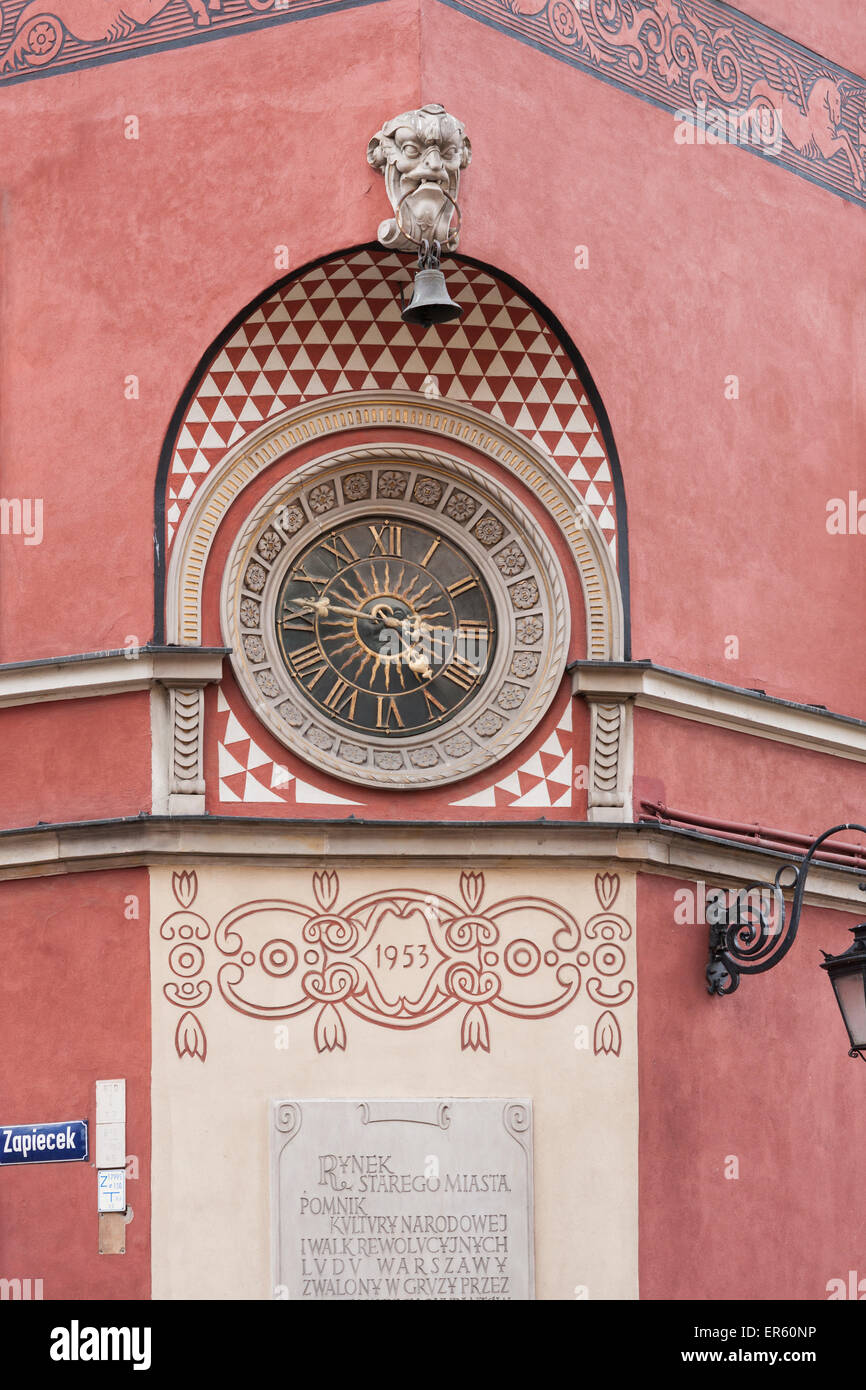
x,y
421,154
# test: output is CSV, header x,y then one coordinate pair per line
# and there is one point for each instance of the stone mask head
x,y
427,146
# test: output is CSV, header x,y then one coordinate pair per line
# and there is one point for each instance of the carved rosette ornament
x,y
421,154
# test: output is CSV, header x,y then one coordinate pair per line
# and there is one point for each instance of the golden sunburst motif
x,y
388,627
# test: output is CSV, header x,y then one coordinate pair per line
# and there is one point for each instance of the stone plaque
x,y
402,1199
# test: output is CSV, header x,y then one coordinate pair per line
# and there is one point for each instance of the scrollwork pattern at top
x,y
399,958
703,56
669,51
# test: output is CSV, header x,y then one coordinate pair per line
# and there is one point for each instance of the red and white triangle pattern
x,y
249,775
338,329
545,779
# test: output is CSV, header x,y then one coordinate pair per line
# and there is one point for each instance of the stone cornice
x,y
727,706
182,841
107,673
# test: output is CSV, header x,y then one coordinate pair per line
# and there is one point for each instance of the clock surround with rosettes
x,y
396,618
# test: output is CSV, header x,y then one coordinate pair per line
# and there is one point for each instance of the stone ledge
x,y
89,674
726,706
643,848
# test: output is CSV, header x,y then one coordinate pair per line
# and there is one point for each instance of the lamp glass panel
x,y
851,994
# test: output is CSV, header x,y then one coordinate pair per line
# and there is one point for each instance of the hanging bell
x,y
430,302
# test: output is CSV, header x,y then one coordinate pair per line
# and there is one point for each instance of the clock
x,y
395,620
387,626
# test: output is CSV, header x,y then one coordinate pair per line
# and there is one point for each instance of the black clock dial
x,y
387,626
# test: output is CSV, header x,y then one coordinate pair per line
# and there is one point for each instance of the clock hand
x,y
323,608
320,606
415,659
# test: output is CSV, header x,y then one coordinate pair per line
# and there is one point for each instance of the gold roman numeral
x,y
461,673
300,575
305,661
473,631
462,586
298,622
432,703
340,695
333,547
383,717
392,543
471,641
430,553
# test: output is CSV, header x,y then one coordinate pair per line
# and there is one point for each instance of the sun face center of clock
x,y
385,614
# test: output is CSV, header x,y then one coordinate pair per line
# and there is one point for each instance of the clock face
x,y
395,621
387,626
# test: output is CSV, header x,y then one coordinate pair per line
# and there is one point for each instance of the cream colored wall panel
x,y
404,977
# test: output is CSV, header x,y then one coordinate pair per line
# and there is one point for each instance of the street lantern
x,y
848,978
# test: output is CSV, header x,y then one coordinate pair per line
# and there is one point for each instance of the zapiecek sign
x,y
63,1141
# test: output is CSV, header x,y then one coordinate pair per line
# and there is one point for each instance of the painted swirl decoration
x,y
400,959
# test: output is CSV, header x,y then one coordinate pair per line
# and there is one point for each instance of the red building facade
x,y
642,439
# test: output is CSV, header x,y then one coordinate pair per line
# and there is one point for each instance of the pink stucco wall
x,y
762,1077
126,258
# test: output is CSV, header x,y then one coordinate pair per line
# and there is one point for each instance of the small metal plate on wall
x,y
112,1233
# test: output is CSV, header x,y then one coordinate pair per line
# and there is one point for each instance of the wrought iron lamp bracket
x,y
746,939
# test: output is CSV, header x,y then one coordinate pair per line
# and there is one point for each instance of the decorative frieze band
x,y
59,35
736,80
725,78
522,956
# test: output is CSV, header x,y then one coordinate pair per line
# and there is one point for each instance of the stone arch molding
x,y
325,421
381,413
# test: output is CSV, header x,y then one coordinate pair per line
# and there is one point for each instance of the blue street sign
x,y
63,1142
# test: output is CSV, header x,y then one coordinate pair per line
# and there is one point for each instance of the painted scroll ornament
x,y
43,26
399,958
744,83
